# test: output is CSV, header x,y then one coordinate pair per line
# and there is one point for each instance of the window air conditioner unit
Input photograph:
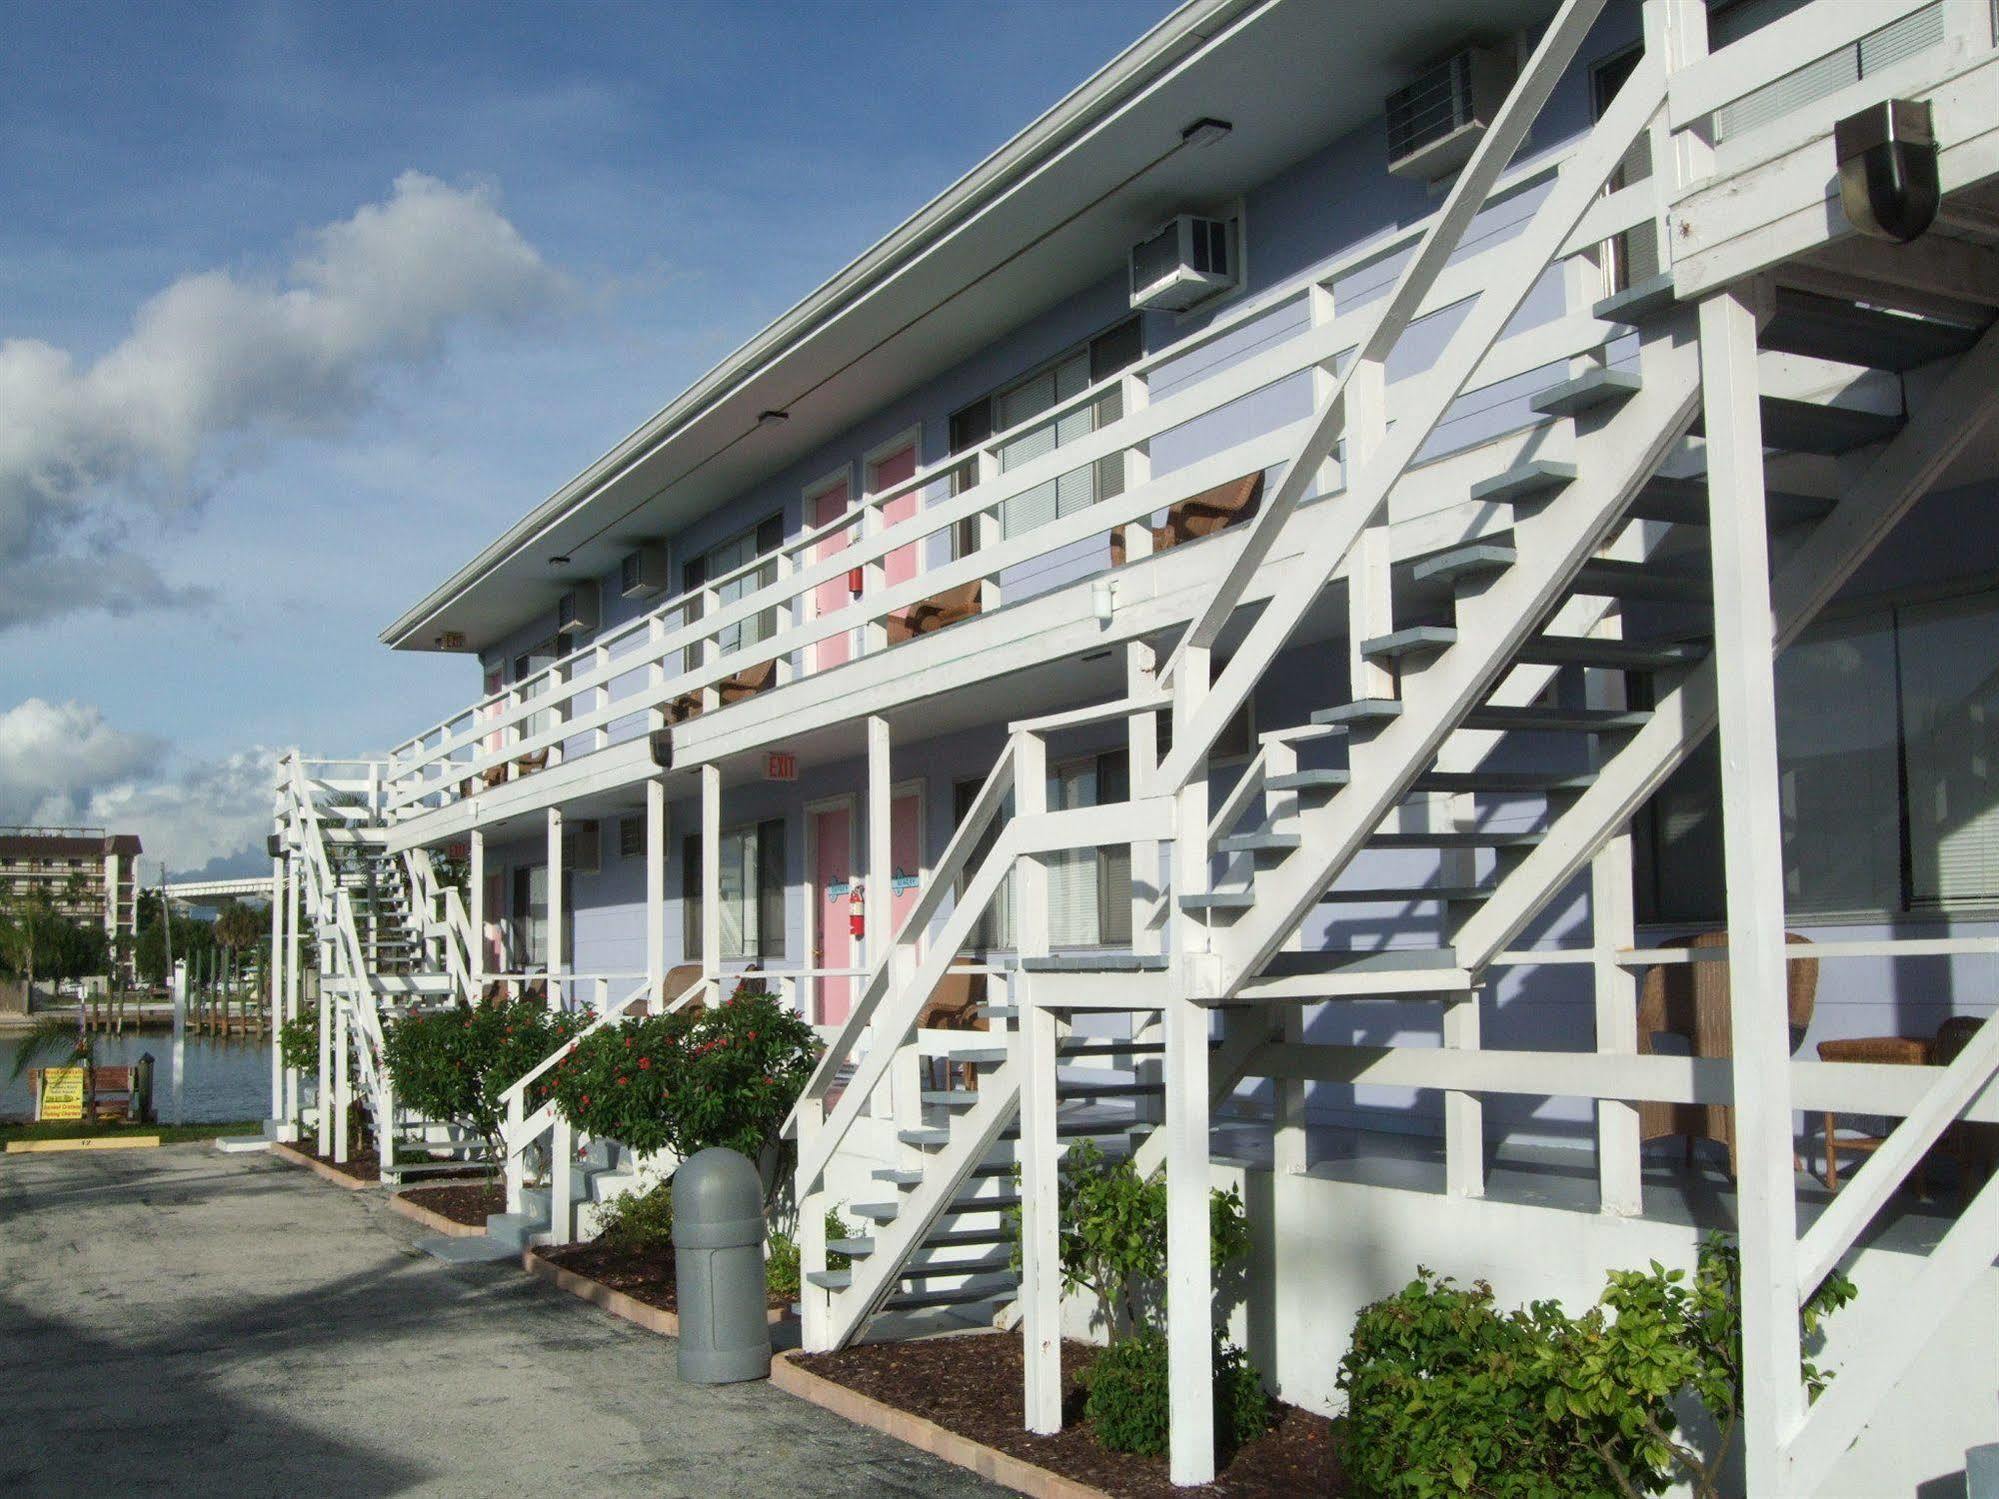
x,y
581,847
1435,123
643,572
1186,260
576,613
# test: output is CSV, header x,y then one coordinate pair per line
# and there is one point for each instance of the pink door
x,y
900,564
832,881
833,595
905,843
494,959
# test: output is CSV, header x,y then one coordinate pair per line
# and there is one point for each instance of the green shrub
x,y
1127,1401
783,1265
1448,1395
639,1220
456,1063
298,1040
688,1080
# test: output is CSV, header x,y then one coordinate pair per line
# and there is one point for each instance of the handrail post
x,y
561,1160
815,1302
514,1147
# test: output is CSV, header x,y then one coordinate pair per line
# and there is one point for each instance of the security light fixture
x,y
1103,600
1888,169
1205,132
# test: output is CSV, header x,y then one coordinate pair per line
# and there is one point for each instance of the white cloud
x,y
217,361
61,763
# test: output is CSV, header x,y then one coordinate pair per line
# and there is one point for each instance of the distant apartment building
x,y
91,875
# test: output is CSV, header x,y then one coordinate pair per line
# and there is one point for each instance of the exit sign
x,y
780,766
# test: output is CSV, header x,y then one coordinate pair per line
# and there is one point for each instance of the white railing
x,y
634,671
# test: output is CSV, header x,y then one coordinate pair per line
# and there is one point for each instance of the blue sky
x,y
300,304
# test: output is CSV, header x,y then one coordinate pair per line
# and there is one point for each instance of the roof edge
x,y
1159,50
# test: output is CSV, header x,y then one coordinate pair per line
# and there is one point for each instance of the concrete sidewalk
x,y
179,1322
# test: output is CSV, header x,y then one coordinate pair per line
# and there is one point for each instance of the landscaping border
x,y
430,1218
320,1168
1002,1468
652,1318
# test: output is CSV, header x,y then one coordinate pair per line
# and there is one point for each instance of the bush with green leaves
x,y
691,1079
783,1262
1128,1403
1113,1245
298,1040
1448,1395
456,1063
639,1220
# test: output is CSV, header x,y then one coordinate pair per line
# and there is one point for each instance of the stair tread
x,y
1794,426
1577,650
1408,893
1536,477
1218,900
1362,712
1250,843
1458,839
1640,580
1556,720
1638,302
1387,960
1504,781
1822,327
1472,560
1309,780
1684,501
1590,389
1090,962
1413,640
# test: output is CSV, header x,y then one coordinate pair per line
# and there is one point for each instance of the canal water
x,y
225,1078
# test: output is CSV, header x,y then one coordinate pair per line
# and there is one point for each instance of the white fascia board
x,y
1161,49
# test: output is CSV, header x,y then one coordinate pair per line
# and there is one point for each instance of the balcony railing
x,y
797,612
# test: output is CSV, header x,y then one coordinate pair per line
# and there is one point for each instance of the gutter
x,y
1161,49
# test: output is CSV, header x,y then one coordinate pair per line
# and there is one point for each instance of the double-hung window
x,y
1056,382
752,860
728,563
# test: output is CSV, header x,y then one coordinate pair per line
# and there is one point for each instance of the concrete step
x,y
1541,720
1586,392
478,1250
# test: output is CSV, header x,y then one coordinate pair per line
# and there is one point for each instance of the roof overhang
x,y
1044,217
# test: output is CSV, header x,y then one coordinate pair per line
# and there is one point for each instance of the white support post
x,y
1040,1218
1745,650
1464,1113
815,1303
275,983
561,1162
294,981
343,1087
328,1001
1290,1151
1190,1297
1613,931
711,871
515,1173
656,844
557,958
1370,599
986,529
876,903
475,898
1190,822
1141,668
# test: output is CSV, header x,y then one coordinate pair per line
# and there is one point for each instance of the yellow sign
x,y
62,1093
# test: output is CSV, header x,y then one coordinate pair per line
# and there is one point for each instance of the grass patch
x,y
170,1134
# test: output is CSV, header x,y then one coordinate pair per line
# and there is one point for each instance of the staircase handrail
x,y
1635,103
514,1092
951,864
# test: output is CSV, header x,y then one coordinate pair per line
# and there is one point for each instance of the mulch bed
x,y
643,1274
467,1203
971,1385
362,1165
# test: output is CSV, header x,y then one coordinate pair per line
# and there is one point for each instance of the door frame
x,y
808,500
851,803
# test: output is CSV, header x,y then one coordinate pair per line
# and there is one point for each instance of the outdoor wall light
x,y
1204,132
1888,169
1103,599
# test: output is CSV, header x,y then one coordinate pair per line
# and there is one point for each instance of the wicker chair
x,y
1200,515
1900,1051
1690,1000
927,616
956,1004
746,683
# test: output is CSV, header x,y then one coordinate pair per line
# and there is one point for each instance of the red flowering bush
x,y
454,1064
689,1080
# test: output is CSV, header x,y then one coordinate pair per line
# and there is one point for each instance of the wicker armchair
x,y
956,1004
1901,1051
746,683
1691,1000
928,616
1200,515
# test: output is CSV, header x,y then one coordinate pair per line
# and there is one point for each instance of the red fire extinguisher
x,y
857,919
854,581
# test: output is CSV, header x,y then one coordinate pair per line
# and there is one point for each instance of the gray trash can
x,y
718,1266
